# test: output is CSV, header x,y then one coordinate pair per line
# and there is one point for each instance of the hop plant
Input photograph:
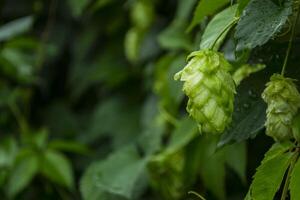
x,y
283,101
210,89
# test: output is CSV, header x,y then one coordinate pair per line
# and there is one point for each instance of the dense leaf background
x,y
90,110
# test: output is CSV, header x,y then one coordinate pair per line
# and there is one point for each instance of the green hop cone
x,y
283,101
210,89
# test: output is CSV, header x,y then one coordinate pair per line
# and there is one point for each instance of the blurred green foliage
x,y
90,110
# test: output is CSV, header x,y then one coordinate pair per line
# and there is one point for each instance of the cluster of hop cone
x,y
211,88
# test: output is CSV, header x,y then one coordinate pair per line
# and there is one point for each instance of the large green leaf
x,y
222,21
182,135
261,21
236,159
119,175
241,6
169,92
205,8
210,163
249,110
295,182
57,168
213,174
21,175
269,176
153,126
15,27
277,149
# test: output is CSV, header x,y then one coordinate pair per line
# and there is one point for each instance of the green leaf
x,y
269,176
170,162
171,168
182,135
241,6
67,124
99,71
68,146
246,70
119,174
216,26
249,110
57,168
98,4
169,92
153,126
21,175
295,182
205,8
8,152
114,112
18,64
39,138
277,149
15,28
236,159
184,9
174,36
261,21
142,14
210,163
133,40
245,125
213,174
248,196
77,6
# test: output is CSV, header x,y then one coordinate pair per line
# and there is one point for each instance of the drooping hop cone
x,y
283,101
210,89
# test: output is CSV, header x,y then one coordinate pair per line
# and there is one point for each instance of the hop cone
x,y
166,176
283,101
210,89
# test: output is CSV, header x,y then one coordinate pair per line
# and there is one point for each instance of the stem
x,y
288,51
196,194
223,31
19,117
171,119
288,177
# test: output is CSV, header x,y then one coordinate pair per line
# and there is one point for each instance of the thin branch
x,y
288,51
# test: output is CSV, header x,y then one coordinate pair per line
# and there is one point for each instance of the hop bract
x,y
283,101
210,89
